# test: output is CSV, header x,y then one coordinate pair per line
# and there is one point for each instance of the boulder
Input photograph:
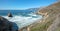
x,y
6,25
10,15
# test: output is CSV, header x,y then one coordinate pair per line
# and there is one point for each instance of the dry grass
x,y
52,11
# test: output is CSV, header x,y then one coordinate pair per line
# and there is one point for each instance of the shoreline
x,y
31,25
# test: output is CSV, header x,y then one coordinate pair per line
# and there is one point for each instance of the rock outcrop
x,y
6,25
10,15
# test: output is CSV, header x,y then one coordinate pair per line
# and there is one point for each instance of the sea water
x,y
22,19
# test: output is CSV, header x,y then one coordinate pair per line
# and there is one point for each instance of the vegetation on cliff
x,y
49,13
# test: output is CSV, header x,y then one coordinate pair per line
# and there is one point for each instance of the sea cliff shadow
x,y
6,25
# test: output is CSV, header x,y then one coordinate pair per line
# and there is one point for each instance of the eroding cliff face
x,y
49,10
50,15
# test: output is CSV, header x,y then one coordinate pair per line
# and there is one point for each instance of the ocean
x,y
21,17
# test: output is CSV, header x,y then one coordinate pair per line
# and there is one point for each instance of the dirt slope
x,y
50,18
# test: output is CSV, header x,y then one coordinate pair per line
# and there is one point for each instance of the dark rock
x,y
10,15
6,25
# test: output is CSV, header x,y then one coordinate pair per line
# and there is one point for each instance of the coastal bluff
x,y
50,20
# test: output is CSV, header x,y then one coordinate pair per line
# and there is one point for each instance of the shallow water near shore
x,y
22,21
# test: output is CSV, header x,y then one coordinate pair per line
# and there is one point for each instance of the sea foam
x,y
22,21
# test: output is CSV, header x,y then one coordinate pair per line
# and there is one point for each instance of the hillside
x,y
49,14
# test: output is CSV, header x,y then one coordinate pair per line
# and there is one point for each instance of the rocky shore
x,y
6,25
49,22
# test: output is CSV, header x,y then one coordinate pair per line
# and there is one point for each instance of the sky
x,y
23,4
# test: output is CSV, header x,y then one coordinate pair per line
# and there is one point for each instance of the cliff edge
x,y
50,18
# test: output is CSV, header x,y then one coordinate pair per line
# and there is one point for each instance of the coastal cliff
x,y
49,21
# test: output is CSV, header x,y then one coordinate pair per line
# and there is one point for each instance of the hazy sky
x,y
24,4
